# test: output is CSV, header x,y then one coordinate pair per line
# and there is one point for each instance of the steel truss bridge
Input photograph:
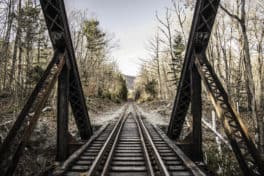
x,y
130,145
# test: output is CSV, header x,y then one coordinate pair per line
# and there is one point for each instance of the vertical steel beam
x,y
57,24
202,24
196,109
77,98
183,96
62,114
19,135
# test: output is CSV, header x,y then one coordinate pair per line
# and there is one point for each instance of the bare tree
x,y
242,21
155,52
166,29
16,45
181,16
5,45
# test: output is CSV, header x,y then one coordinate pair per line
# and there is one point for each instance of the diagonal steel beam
x,y
20,133
242,145
57,24
203,20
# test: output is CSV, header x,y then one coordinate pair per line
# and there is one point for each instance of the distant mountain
x,y
129,81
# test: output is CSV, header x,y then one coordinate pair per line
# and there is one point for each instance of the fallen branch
x,y
208,125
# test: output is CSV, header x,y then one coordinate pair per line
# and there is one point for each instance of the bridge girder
x,y
62,67
242,145
203,20
57,24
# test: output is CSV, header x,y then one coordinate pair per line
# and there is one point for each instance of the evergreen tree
x,y
95,37
123,90
177,60
151,88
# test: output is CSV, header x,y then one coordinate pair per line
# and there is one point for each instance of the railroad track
x,y
130,146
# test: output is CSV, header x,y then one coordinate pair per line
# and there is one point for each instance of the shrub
x,y
151,89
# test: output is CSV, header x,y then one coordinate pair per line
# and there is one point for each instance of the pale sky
x,y
132,21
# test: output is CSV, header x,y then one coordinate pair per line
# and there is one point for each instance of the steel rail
x,y
160,162
146,155
110,155
193,168
100,155
196,171
66,164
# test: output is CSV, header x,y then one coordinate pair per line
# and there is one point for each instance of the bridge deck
x,y
129,146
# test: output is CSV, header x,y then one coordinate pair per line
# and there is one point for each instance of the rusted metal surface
x,y
63,115
109,151
245,150
203,20
22,129
57,24
195,58
12,148
196,109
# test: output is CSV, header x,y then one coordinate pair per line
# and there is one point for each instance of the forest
x,y
235,51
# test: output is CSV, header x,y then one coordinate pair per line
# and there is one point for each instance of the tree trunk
x,y
17,43
5,46
258,122
249,75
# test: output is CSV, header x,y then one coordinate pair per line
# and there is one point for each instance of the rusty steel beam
x,y
245,150
196,109
63,115
23,127
57,24
203,20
